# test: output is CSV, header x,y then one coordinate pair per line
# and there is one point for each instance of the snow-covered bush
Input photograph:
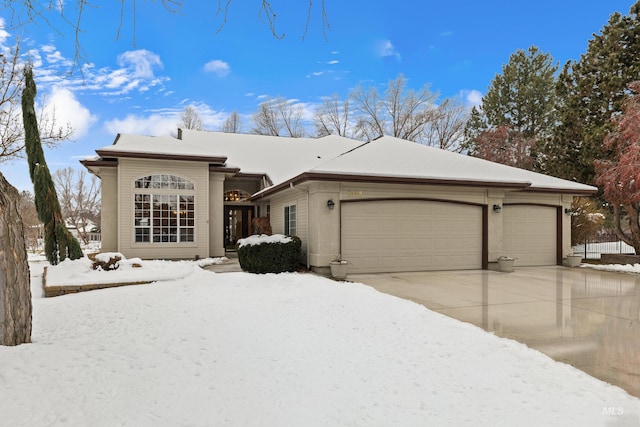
x,y
269,254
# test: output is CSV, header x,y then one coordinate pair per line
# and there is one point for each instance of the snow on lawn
x,y
80,272
238,349
618,268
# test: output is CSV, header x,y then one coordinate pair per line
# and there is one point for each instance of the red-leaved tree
x,y
620,176
507,146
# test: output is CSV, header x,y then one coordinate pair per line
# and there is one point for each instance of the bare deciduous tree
x,y
32,225
190,119
233,123
12,140
79,197
399,112
333,118
25,12
446,130
278,117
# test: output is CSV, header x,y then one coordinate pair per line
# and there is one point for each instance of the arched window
x,y
161,215
164,182
236,196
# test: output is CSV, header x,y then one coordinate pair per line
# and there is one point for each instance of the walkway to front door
x,y
584,317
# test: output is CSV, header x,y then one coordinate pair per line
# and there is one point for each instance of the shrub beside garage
x,y
269,254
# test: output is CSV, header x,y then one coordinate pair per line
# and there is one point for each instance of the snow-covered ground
x,y
237,349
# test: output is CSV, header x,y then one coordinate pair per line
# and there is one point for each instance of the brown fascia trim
x,y
236,172
223,169
252,175
560,191
109,163
158,156
319,176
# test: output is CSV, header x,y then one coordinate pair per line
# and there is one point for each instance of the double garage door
x,y
393,236
415,235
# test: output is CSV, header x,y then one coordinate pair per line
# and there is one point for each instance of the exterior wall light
x,y
568,211
497,208
330,204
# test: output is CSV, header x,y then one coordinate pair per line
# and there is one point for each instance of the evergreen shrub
x,y
270,257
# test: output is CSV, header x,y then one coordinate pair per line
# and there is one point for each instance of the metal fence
x,y
604,243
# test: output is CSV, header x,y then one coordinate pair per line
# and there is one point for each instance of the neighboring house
x,y
87,228
386,205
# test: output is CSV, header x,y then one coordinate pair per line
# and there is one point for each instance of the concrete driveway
x,y
587,318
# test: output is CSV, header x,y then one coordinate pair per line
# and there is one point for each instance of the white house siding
x,y
299,197
109,209
198,173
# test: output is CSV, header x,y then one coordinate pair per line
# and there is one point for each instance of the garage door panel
x,y
387,236
530,234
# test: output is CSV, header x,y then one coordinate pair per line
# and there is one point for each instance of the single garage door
x,y
530,234
394,236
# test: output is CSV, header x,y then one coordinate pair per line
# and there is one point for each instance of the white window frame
x,y
164,210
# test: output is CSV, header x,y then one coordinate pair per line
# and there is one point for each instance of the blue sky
x,y
140,83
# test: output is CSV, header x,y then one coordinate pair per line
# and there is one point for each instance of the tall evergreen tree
x,y
521,99
591,92
58,242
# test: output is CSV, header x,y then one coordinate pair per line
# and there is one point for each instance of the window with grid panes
x,y
162,215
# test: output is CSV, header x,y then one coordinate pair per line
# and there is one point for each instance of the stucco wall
x,y
324,223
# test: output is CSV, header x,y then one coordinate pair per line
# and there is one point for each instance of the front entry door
x,y
237,224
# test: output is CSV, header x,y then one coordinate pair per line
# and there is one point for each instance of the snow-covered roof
x,y
278,157
393,157
156,146
286,159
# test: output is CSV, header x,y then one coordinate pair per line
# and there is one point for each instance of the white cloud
x,y
142,62
385,48
164,121
335,61
3,34
218,67
68,110
154,124
472,98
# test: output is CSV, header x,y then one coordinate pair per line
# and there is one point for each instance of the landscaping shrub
x,y
269,254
